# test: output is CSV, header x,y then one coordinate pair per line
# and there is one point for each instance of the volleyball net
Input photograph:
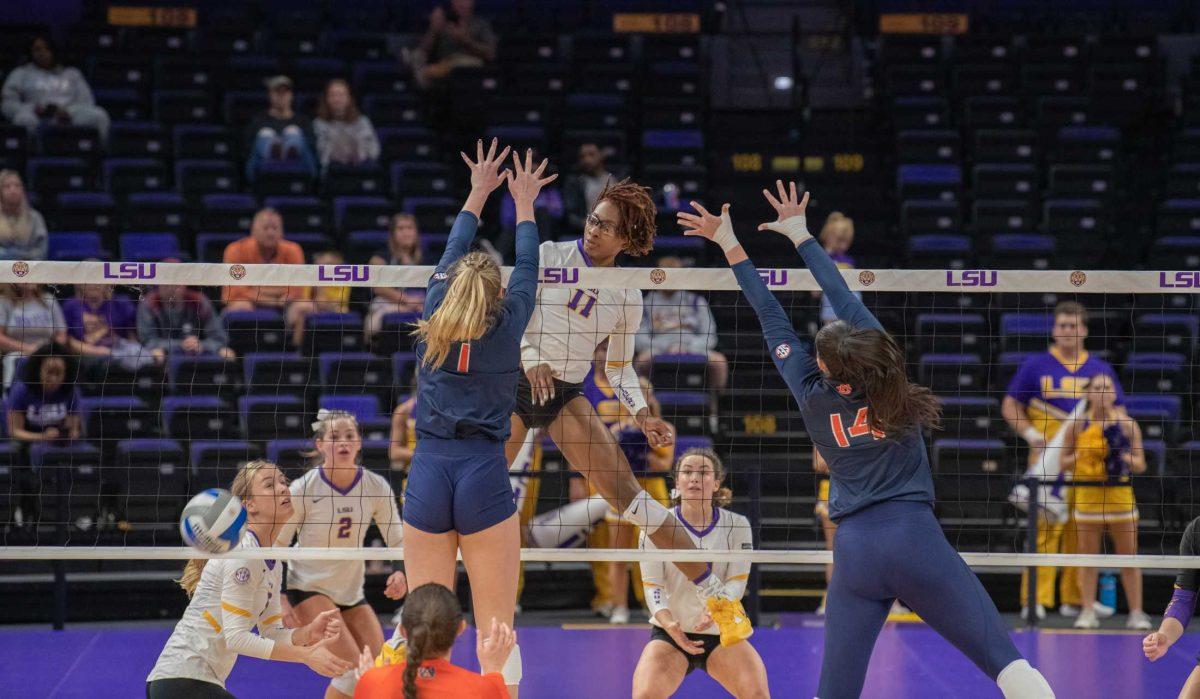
x,y
172,399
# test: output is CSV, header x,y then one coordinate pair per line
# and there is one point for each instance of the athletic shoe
x,y
1103,610
730,618
1139,621
1068,610
1039,610
1087,620
620,615
603,610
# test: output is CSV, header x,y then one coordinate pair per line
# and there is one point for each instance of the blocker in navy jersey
x,y
888,544
459,476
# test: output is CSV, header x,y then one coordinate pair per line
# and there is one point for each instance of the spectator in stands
x,y
679,322
279,133
23,233
326,299
29,317
42,406
345,136
266,245
1041,395
45,91
173,319
403,248
581,189
837,235
456,38
1105,445
102,328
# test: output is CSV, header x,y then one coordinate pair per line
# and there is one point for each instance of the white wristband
x,y
1032,434
725,236
794,227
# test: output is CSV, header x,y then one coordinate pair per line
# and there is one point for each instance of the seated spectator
x,y
345,136
456,38
279,133
583,187
173,319
101,328
325,299
265,245
29,318
837,235
22,229
45,91
679,322
42,406
403,248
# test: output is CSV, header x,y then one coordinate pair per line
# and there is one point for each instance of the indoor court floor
x,y
586,661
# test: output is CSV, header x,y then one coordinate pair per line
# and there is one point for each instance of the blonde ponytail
x,y
240,488
467,311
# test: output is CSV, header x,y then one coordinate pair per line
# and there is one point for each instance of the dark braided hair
x,y
431,619
870,359
637,214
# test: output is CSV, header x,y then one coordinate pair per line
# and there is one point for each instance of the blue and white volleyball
x,y
213,521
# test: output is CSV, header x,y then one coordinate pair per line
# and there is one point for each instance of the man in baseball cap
x,y
278,133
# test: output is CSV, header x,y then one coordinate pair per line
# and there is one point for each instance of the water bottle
x,y
1108,589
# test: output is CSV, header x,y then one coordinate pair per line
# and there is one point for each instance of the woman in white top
x,y
231,596
683,637
334,505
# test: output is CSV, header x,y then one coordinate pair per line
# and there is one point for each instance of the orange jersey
x,y
436,679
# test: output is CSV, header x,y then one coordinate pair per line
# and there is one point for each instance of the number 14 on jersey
x,y
858,429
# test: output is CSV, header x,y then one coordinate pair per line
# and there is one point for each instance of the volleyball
x,y
212,521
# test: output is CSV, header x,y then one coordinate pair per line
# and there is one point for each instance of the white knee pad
x,y
512,670
646,512
1020,681
345,682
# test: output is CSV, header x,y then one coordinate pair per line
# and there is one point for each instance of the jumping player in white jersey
x,y
231,596
681,639
335,503
556,354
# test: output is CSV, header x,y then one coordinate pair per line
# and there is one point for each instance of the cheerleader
x,y
334,505
1179,612
866,419
458,495
231,596
683,638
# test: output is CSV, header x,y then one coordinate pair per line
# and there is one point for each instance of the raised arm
x,y
793,361
1183,601
524,184
793,224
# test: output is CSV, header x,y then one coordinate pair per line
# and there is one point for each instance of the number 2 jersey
x,y
865,467
233,597
327,517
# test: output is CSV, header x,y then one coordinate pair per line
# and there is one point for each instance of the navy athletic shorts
x,y
458,485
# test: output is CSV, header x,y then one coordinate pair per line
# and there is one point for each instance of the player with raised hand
x,y
866,419
458,495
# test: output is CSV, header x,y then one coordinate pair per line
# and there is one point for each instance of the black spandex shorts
x,y
185,688
535,416
695,662
298,596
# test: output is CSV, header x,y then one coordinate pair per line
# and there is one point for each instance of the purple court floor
x,y
910,661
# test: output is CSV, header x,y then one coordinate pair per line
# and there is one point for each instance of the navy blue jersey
x,y
865,468
472,394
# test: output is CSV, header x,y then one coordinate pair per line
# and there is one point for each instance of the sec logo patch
x,y
241,576
845,389
783,351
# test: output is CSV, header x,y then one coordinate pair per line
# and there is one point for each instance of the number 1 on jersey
x,y
464,357
858,429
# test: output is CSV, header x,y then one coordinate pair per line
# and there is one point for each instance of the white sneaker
x,y
1039,610
1103,610
620,615
1087,620
1068,610
603,610
1138,620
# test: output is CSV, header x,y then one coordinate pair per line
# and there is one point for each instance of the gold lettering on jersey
x,y
1069,387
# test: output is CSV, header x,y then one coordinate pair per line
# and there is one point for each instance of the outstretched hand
x,y
718,229
485,170
525,183
790,209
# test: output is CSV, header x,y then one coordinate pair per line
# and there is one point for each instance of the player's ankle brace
x,y
1020,681
646,512
513,670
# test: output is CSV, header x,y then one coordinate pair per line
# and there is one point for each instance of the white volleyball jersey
x,y
234,596
568,324
327,517
666,587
